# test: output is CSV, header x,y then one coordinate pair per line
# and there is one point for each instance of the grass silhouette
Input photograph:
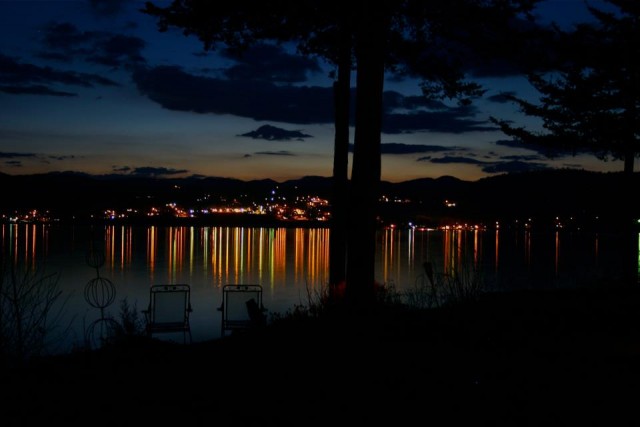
x,y
511,358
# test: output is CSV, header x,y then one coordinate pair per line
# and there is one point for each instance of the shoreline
x,y
519,358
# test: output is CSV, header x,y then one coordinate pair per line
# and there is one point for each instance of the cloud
x,y
497,68
455,159
398,148
60,158
151,171
34,79
275,153
543,150
511,143
14,155
15,158
272,133
502,97
572,166
13,163
65,39
454,120
408,114
174,89
108,7
34,90
514,166
526,158
118,50
518,164
65,42
269,63
394,101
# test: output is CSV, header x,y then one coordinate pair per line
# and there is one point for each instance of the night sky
x,y
93,86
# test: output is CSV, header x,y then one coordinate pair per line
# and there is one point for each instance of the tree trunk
x,y
630,274
630,251
630,254
365,176
340,189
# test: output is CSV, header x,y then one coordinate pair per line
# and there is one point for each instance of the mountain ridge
x,y
536,193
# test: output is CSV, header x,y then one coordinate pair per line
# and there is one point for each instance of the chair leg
x,y
184,336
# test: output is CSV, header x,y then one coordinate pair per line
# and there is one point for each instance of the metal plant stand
x,y
100,293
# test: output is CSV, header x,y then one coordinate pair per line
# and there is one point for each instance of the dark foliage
x,y
590,94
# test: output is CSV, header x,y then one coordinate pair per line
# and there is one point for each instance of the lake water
x,y
291,264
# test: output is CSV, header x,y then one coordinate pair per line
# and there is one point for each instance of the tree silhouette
x,y
340,194
434,41
590,99
590,102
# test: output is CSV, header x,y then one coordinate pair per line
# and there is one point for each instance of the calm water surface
x,y
290,263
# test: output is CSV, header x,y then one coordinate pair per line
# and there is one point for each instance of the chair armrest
x,y
147,314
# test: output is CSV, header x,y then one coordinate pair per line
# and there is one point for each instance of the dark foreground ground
x,y
568,358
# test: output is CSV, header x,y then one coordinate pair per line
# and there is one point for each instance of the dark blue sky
x,y
92,86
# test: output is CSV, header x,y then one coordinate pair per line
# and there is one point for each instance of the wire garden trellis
x,y
100,293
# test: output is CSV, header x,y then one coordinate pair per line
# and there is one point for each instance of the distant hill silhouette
x,y
539,194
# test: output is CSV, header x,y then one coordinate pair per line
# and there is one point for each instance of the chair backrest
x,y
170,303
241,307
169,308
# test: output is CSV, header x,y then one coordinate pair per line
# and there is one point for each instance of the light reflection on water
x,y
290,263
